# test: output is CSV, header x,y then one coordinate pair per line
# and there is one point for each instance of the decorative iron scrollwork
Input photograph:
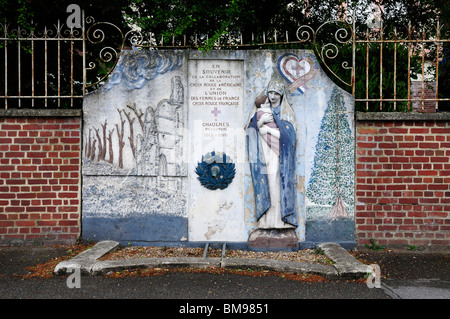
x,y
344,35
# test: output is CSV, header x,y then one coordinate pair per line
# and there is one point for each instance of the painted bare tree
x,y
89,146
100,145
93,149
138,114
120,137
101,141
103,156
131,137
111,151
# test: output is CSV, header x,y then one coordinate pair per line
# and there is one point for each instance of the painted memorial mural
x,y
252,148
133,168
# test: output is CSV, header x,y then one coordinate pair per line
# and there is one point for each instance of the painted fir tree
x,y
331,182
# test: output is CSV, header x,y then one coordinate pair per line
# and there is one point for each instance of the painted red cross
x,y
216,112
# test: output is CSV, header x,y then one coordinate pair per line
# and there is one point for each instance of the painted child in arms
x,y
267,126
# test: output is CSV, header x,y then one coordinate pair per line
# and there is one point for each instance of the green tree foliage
x,y
211,16
19,12
31,13
233,18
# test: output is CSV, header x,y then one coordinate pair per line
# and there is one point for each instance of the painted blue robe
x,y
287,169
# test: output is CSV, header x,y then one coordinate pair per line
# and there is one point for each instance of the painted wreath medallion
x,y
215,171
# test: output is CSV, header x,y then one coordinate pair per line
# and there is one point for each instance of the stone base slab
x,y
273,239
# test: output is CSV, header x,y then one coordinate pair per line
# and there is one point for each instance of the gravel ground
x,y
307,255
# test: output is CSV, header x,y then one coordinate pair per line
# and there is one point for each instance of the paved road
x,y
184,285
417,288
412,274
204,286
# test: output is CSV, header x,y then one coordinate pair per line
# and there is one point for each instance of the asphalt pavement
x,y
404,275
407,274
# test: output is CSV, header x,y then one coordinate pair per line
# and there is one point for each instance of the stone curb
x,y
281,266
86,259
345,265
103,267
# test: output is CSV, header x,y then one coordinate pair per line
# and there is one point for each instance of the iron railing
x,y
418,43
44,68
50,68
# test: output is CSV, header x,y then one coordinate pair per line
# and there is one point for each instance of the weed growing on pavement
x,y
374,246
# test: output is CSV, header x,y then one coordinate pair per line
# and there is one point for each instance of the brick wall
x,y
40,179
403,178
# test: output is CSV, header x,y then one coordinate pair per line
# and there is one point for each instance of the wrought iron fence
x,y
426,46
42,68
57,66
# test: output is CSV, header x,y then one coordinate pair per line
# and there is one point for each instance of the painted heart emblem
x,y
297,71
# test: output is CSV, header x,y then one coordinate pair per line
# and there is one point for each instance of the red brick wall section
x,y
402,186
40,180
402,181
